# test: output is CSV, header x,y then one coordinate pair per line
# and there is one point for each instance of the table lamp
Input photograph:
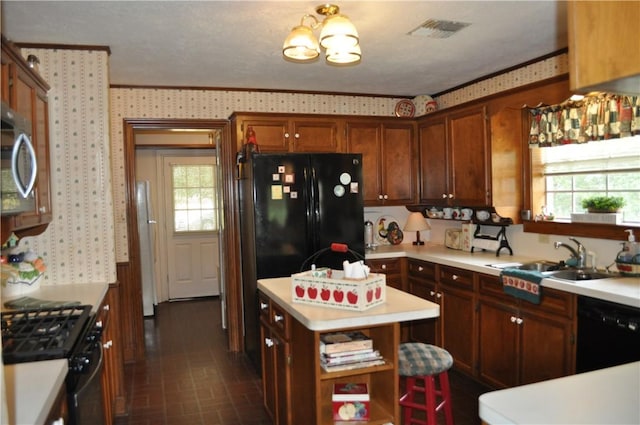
x,y
416,223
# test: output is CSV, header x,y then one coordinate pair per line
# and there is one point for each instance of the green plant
x,y
603,203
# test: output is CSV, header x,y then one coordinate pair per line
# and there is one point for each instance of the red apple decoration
x,y
299,291
378,292
313,292
369,295
338,295
352,297
325,294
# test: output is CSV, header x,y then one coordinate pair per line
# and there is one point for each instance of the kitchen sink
x,y
580,274
540,266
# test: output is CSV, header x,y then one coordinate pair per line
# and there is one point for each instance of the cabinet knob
x,y
432,293
297,135
451,196
106,307
277,318
380,197
513,319
454,277
383,267
444,196
385,196
59,421
263,306
42,209
420,268
286,135
519,321
268,342
108,344
99,324
439,295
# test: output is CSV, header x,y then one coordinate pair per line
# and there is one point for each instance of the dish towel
x,y
524,284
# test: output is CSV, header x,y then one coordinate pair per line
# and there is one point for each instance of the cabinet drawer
x,y
555,302
456,277
492,286
422,269
280,320
385,265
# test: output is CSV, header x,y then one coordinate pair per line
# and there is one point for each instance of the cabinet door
x,y
546,349
398,175
272,134
315,136
281,358
457,314
365,138
498,344
269,378
469,157
422,283
432,139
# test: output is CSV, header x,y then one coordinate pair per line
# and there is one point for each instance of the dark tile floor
x,y
189,377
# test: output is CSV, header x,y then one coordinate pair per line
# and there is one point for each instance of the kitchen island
x,y
296,388
606,396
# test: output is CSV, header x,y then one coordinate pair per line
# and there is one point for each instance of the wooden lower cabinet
x,y
298,391
422,283
520,342
113,392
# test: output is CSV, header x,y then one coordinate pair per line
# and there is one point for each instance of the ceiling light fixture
x,y
338,37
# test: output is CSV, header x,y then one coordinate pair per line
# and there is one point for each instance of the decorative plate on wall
x,y
405,108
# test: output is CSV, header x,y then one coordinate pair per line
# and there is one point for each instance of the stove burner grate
x,y
42,334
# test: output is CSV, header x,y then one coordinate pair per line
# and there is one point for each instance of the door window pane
x,y
194,198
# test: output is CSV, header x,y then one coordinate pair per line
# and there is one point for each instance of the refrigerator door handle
x,y
314,207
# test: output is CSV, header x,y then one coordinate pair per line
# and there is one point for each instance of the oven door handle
x,y
96,370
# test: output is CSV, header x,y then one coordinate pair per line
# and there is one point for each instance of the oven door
x,y
84,389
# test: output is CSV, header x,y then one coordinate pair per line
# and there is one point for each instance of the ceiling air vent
x,y
436,28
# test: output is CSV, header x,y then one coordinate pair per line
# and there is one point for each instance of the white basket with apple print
x,y
338,292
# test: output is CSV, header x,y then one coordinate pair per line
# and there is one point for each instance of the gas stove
x,y
43,334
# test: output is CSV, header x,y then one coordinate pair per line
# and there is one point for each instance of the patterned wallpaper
x,y
78,246
88,234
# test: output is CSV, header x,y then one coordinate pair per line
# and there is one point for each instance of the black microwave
x,y
18,168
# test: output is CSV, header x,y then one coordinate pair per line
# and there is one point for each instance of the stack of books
x,y
347,350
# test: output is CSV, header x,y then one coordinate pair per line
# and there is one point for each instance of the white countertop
x,y
32,388
623,290
86,293
606,396
398,307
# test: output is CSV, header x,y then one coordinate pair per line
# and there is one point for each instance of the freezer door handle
x,y
151,221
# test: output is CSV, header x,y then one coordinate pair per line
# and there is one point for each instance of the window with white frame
x,y
194,198
603,168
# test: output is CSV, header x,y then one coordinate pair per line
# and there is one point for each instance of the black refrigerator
x,y
292,206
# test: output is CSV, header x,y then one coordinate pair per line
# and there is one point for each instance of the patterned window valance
x,y
596,117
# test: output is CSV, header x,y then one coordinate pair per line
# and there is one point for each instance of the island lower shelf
x,y
296,388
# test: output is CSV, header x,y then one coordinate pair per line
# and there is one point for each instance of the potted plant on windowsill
x,y
603,204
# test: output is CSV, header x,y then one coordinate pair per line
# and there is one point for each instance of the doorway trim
x,y
131,294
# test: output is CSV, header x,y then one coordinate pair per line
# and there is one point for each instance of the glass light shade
x,y
344,56
416,223
301,44
338,32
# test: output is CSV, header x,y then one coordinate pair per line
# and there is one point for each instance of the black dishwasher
x,y
608,334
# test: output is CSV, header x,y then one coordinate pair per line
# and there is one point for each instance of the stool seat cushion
x,y
418,359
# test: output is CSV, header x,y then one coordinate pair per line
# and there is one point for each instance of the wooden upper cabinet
x,y
454,158
387,149
277,133
604,46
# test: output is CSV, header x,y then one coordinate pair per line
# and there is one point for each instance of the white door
x,y
192,231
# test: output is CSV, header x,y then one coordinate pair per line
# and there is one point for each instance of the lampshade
x,y
301,44
416,223
338,32
344,56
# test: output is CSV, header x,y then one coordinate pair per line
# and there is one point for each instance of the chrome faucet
x,y
580,254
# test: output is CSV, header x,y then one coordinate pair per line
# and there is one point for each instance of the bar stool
x,y
423,363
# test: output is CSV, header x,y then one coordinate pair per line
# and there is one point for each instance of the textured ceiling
x,y
237,44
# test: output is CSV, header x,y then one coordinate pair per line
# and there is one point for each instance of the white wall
x,y
533,245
